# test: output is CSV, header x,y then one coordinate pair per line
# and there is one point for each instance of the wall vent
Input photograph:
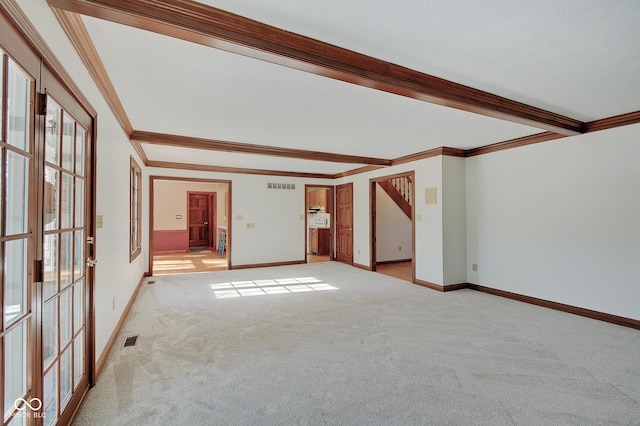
x,y
281,185
130,341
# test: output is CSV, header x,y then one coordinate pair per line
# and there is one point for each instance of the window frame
x,y
135,210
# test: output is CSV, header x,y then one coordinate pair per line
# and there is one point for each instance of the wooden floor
x,y
401,270
200,260
313,258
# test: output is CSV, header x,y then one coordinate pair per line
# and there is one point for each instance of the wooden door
x,y
199,219
344,204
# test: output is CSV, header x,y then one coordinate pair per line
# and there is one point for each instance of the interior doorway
x,y
189,227
393,225
319,223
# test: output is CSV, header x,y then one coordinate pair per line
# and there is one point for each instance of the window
x,y
135,218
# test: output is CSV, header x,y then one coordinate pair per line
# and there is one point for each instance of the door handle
x,y
91,262
205,223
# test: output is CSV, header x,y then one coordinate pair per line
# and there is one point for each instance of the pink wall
x,y
171,241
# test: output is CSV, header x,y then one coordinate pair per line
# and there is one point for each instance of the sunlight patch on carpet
x,y
266,287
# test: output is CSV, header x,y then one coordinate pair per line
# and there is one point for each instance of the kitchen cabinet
x,y
320,241
317,199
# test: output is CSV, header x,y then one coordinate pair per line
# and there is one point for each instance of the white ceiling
x,y
578,58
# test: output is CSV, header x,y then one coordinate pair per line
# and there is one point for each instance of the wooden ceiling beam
x,y
245,148
199,23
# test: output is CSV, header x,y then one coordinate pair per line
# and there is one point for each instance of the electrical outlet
x,y
474,267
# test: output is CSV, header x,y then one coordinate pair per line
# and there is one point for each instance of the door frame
x,y
330,210
229,209
212,204
373,182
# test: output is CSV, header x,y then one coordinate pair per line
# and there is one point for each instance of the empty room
x,y
273,213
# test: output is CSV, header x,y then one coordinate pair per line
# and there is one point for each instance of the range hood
x,y
314,209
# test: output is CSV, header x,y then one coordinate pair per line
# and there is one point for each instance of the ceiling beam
x,y
199,23
239,170
236,147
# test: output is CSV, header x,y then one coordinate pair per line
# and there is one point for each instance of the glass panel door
x,y
64,286
17,241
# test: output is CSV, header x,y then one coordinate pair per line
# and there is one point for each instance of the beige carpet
x,y
328,344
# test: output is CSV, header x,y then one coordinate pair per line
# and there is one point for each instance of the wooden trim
x,y
218,169
267,265
601,316
442,150
438,287
206,25
217,145
428,284
513,143
76,31
355,171
116,331
390,262
361,266
612,122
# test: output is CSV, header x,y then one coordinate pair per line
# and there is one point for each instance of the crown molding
x,y
513,143
611,122
239,170
217,145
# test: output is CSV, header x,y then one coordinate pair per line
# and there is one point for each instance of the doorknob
x,y
91,262
206,223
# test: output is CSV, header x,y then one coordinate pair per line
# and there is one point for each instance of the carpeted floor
x,y
328,344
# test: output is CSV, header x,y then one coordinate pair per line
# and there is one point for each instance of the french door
x,y
45,187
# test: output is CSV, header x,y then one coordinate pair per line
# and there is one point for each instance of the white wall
x,y
454,217
393,229
560,220
277,216
429,231
116,278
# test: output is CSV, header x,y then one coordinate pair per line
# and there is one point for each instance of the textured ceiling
x,y
575,58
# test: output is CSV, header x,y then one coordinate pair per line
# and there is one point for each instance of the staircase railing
x,y
399,189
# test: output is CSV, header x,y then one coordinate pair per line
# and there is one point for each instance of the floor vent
x,y
152,282
130,341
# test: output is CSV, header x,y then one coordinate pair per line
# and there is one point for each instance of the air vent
x,y
271,185
130,341
152,282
